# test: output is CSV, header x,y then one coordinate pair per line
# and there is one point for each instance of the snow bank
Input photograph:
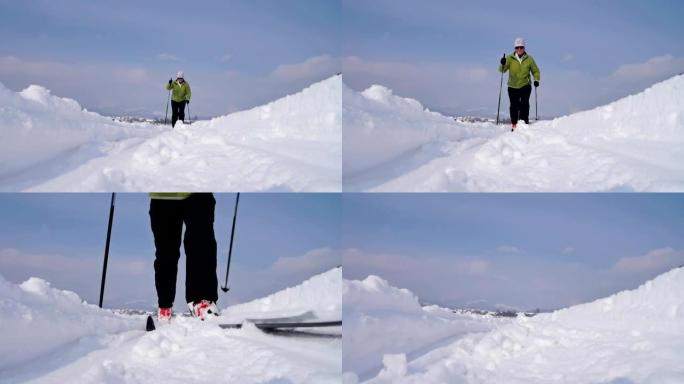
x,y
320,293
37,126
634,336
36,319
291,144
633,144
380,319
380,126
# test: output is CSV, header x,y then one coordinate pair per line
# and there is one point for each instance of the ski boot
x,y
164,315
203,309
513,127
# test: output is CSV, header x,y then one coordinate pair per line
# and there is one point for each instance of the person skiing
x,y
180,96
168,213
519,66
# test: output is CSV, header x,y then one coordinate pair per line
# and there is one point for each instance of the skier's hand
x,y
187,101
536,83
170,81
503,60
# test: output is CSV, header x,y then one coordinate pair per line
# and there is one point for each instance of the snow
x,y
320,294
634,336
633,144
53,144
380,320
50,336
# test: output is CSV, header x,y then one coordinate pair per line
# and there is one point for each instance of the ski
x,y
308,315
285,325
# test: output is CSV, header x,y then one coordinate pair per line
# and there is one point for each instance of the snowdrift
x,y
36,319
380,319
37,126
291,144
320,294
634,336
633,144
380,127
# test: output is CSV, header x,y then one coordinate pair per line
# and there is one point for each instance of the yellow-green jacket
x,y
179,92
170,195
519,71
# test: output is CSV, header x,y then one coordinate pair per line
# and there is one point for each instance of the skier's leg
x,y
167,227
514,97
181,111
200,248
525,93
174,112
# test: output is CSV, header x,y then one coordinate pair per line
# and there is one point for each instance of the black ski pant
x,y
520,103
167,218
177,111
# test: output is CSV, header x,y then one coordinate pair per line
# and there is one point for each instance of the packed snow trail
x,y
633,144
51,336
634,336
52,144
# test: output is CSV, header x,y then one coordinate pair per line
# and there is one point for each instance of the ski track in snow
x,y
291,144
634,144
51,336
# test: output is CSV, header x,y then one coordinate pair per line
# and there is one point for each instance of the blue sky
x,y
445,53
281,239
523,250
116,56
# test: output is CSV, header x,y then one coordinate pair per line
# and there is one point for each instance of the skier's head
x,y
179,75
519,45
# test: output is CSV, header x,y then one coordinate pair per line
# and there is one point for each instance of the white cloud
x,y
567,57
323,65
567,250
656,67
657,259
311,262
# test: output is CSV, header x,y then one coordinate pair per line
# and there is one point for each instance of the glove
x,y
170,81
536,83
187,101
503,60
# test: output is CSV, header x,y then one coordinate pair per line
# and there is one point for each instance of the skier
x,y
168,213
180,96
520,65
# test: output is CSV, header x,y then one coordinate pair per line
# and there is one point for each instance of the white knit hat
x,y
179,75
519,42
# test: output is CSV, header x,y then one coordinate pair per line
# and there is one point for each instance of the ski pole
x,y
189,115
536,112
106,253
230,247
498,108
166,115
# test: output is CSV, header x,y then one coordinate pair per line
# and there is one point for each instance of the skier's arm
x,y
535,70
503,68
169,86
188,94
